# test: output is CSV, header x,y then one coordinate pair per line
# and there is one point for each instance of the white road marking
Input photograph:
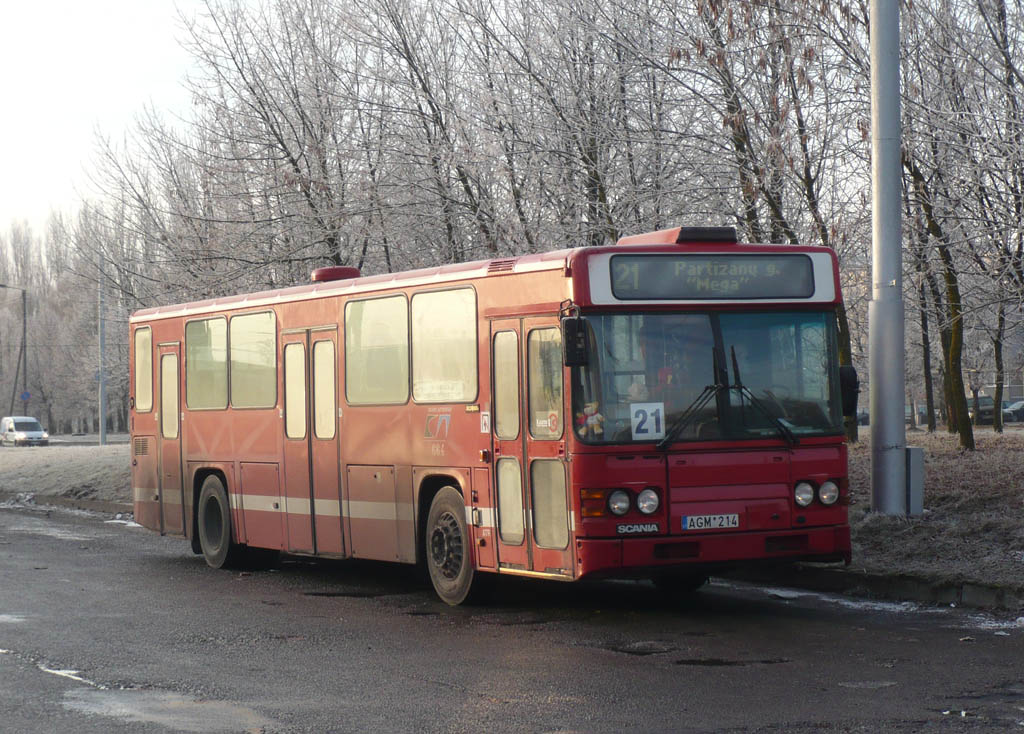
x,y
72,674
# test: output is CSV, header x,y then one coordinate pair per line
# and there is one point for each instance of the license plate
x,y
710,522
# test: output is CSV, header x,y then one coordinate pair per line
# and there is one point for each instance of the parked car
x,y
908,415
1015,411
22,430
986,410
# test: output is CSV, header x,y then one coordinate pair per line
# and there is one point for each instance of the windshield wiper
x,y
781,427
691,411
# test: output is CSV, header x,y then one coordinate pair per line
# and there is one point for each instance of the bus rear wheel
x,y
447,547
214,525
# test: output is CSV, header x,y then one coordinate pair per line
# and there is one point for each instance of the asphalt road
x,y
106,627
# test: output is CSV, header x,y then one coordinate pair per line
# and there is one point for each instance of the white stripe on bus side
x,y
145,494
324,508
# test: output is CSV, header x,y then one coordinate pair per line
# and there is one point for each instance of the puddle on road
x,y
868,685
723,663
640,647
177,712
349,594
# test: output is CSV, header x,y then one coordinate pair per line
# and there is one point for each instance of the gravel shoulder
x,y
972,530
93,473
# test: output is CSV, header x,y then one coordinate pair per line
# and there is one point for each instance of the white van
x,y
22,430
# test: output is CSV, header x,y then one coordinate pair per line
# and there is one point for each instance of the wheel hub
x,y
446,546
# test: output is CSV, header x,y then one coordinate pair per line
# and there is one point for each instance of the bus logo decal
x,y
437,426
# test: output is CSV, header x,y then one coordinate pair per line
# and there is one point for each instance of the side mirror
x,y
849,387
574,342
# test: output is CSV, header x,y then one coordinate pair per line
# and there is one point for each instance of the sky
x,y
70,68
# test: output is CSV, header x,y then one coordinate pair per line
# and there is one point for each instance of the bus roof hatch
x,y
334,272
683,235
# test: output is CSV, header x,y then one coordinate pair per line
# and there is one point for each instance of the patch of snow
x,y
903,607
786,593
985,622
10,619
126,523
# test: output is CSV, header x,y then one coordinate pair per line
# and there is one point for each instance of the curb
x,y
891,587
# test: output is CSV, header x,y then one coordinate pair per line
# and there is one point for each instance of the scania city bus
x,y
659,408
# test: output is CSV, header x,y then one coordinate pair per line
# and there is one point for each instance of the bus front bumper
x,y
631,557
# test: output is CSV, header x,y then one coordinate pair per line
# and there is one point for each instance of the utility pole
x,y
102,373
22,353
885,311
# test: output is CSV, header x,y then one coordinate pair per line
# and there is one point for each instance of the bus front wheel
x,y
447,547
214,521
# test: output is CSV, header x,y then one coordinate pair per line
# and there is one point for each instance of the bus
x,y
660,408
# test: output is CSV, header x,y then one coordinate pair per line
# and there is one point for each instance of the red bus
x,y
658,409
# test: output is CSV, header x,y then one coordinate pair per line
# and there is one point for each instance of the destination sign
x,y
690,276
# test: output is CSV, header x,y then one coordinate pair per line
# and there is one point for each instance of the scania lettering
x,y
651,527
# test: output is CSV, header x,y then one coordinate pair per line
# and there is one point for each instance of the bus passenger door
x,y
324,442
545,428
172,511
532,507
510,498
312,497
297,474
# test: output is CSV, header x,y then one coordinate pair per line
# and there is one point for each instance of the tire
x,y
447,547
214,525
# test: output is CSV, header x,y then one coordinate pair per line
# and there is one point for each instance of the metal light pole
x,y
885,311
102,374
23,354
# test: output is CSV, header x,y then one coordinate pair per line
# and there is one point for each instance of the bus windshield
x,y
708,376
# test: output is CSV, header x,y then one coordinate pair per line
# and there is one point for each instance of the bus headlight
x,y
828,493
647,501
618,502
803,493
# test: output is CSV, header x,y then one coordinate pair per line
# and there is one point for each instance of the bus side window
x,y
506,385
169,396
544,365
206,364
444,346
143,370
295,390
324,413
377,351
253,360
